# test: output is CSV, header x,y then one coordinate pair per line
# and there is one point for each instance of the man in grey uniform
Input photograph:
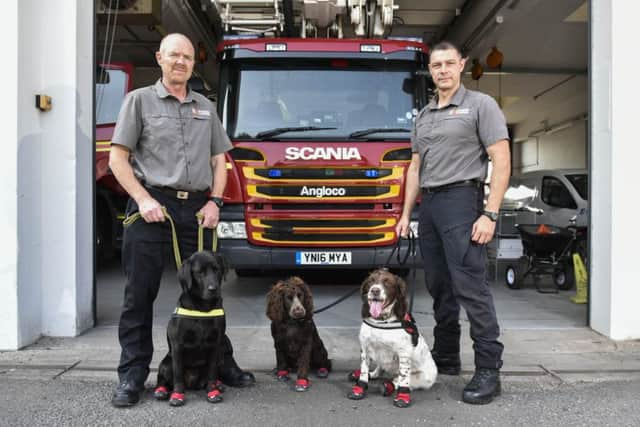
x,y
178,147
454,137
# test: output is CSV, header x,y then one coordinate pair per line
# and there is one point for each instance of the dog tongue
x,y
375,308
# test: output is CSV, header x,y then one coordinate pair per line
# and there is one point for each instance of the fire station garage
x,y
560,71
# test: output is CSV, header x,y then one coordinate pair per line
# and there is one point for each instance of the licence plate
x,y
323,258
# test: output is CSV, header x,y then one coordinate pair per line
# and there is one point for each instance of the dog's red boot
x,y
322,373
161,393
214,396
358,391
354,375
387,388
219,385
302,384
403,398
282,375
176,399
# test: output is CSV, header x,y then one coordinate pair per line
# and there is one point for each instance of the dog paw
x,y
282,375
161,393
176,399
322,373
358,392
302,384
214,396
219,385
387,388
402,400
354,375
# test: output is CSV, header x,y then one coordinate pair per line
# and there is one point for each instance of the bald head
x,y
176,58
170,39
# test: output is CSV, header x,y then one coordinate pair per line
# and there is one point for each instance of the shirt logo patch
x,y
201,113
459,111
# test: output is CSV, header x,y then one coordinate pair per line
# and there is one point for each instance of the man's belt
x,y
465,183
180,194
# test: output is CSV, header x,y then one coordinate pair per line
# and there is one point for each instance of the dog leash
x,y
402,260
174,235
411,250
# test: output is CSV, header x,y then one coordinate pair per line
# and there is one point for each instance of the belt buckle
x,y
182,195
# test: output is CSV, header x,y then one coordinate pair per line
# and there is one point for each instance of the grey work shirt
x,y
171,141
452,140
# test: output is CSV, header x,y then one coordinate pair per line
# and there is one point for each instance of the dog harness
x,y
407,323
185,312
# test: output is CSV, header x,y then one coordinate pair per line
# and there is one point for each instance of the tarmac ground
x,y
556,370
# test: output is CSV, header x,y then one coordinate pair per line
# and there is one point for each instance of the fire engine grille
x,y
312,232
323,173
322,223
322,191
315,238
323,206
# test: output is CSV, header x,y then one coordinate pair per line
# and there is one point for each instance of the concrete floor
x,y
244,301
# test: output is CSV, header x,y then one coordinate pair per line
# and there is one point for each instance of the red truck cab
x,y
321,133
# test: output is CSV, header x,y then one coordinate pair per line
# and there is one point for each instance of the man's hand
x,y
483,229
209,215
150,210
402,227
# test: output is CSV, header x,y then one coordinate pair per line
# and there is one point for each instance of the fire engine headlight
x,y
413,226
232,230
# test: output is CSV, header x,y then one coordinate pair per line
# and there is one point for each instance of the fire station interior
x,y
531,56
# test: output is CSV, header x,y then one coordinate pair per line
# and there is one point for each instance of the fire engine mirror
x,y
102,75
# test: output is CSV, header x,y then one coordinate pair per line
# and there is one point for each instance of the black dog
x,y
298,345
195,332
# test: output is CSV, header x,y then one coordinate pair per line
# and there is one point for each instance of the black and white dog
x,y
390,342
195,332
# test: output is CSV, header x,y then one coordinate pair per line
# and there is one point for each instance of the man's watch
x,y
493,216
217,200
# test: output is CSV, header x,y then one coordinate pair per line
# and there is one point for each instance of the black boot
x,y
126,394
483,387
447,363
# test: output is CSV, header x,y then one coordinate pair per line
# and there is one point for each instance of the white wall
x,y
9,328
52,170
615,152
565,148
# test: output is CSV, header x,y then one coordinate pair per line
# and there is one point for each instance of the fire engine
x,y
321,129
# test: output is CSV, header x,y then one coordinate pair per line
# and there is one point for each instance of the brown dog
x,y
296,339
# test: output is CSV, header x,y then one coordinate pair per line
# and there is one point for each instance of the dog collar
x,y
185,312
396,324
408,323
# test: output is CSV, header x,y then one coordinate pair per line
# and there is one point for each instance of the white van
x,y
557,195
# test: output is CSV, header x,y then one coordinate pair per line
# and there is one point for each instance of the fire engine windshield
x,y
325,103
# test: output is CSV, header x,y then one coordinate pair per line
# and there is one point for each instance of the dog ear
x,y
222,264
400,308
275,304
364,290
308,299
184,275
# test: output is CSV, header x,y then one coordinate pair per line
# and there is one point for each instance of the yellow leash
x,y
174,236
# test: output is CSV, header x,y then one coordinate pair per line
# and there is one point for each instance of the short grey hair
x,y
169,37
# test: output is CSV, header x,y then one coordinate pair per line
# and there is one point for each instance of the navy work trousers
x,y
454,268
147,248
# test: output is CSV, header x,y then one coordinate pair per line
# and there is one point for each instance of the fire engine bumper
x,y
242,255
